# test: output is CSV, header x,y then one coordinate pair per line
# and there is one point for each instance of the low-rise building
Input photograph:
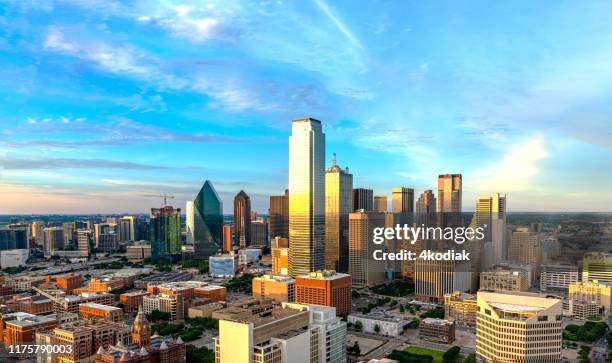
x,y
583,294
212,292
504,279
461,307
278,287
94,311
132,300
21,328
14,258
140,251
172,304
206,310
437,330
223,265
328,288
379,323
558,277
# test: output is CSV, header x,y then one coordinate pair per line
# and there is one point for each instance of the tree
x,y
377,328
358,325
401,309
157,315
451,355
471,358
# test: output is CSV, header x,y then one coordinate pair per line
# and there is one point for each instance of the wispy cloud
x,y
338,23
48,163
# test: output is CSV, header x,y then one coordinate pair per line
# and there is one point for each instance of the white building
x,y
332,333
558,277
14,258
388,325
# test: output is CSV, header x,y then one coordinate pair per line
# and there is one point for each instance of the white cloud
x,y
515,170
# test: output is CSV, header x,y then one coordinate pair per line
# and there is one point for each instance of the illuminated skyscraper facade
x,y
242,219
490,214
402,200
380,203
206,221
449,199
363,199
306,197
338,187
279,215
426,208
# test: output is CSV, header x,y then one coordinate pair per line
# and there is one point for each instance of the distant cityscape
x,y
207,283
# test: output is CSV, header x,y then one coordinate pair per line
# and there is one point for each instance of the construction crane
x,y
164,198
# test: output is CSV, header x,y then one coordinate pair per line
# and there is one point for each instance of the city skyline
x,y
105,106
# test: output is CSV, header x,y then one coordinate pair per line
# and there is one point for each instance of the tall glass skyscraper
x,y
205,221
165,231
242,219
306,197
338,193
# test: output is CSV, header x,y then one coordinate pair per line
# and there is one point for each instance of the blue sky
x,y
104,105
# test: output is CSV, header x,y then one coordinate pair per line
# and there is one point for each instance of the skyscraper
x,y
37,232
490,214
165,231
449,199
53,240
228,238
380,203
363,199
306,197
242,219
364,270
426,208
206,221
402,200
279,215
127,228
338,187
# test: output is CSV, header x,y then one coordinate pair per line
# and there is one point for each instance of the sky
x,y
104,105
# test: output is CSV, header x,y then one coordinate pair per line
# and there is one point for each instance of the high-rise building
x,y
525,247
449,199
306,197
426,208
279,215
490,215
16,238
402,200
242,219
280,335
165,231
327,288
85,242
37,229
259,232
127,228
228,238
364,270
434,278
518,327
380,203
597,266
362,199
338,187
206,222
69,231
53,240
280,256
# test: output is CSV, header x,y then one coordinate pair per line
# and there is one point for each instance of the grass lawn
x,y
436,354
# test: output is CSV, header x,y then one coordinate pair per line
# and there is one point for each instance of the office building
x,y
362,199
228,238
70,303
449,199
37,229
490,215
278,215
140,251
599,293
85,242
525,247
94,311
461,307
165,231
211,292
242,219
426,208
363,268
21,328
558,277
14,258
132,300
173,304
259,233
402,200
223,265
518,327
338,187
277,287
597,266
53,240
280,260
327,288
380,203
332,333
437,330
503,278
69,282
205,222
434,278
306,197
